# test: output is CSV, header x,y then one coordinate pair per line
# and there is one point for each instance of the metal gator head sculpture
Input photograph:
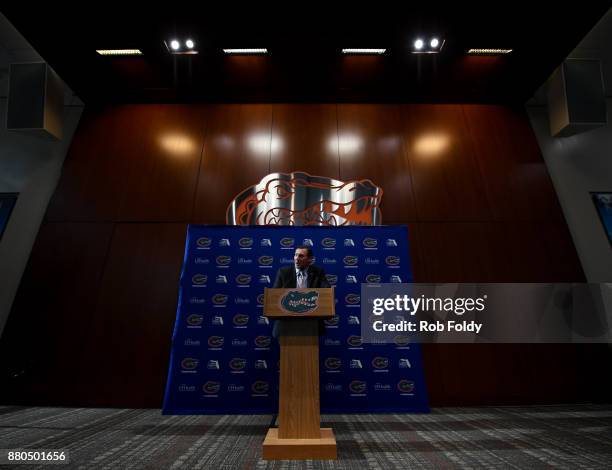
x,y
301,199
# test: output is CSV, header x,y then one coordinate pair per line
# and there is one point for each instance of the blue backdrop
x,y
224,359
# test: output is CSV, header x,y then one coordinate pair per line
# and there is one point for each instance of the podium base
x,y
323,448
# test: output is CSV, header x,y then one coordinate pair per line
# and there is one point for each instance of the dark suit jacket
x,y
286,278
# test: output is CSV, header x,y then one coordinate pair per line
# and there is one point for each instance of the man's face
x,y
301,258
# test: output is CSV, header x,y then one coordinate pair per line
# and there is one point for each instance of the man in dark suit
x,y
302,274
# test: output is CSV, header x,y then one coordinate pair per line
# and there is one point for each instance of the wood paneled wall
x,y
92,322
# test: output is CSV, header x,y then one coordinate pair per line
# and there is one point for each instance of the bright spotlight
x,y
418,44
189,43
174,44
434,43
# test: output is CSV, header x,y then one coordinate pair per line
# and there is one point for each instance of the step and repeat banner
x,y
224,359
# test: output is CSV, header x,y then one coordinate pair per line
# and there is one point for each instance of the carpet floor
x,y
572,436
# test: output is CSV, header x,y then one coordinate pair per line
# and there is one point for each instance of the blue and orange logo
x,y
237,363
333,363
287,242
401,340
328,242
223,260
300,302
260,386
354,341
189,363
392,260
211,387
333,321
263,341
243,279
199,279
370,242
358,386
215,341
352,299
373,278
240,319
204,242
380,362
245,242
332,279
350,260
405,386
265,260
219,299
194,319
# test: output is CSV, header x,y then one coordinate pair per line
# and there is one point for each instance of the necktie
x,y
301,279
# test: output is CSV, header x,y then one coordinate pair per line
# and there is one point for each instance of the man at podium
x,y
302,274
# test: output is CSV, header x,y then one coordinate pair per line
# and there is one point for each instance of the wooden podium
x,y
299,435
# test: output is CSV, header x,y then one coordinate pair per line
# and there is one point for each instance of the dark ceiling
x,y
304,63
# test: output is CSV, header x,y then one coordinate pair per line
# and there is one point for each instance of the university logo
x,y
348,242
263,341
261,364
204,242
307,242
195,320
287,242
260,386
395,279
326,201
189,363
264,279
215,341
370,242
237,363
330,387
351,279
404,363
380,363
350,260
223,260
333,363
354,341
265,260
373,278
300,302
245,242
353,320
213,364
265,242
405,386
224,242
217,321
358,386
260,299
237,342
328,242
211,387
392,260
391,242
243,279
356,364
199,279
401,340
352,299
333,321
221,279
219,299
240,319
332,279
261,320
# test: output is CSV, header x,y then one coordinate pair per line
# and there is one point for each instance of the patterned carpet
x,y
578,436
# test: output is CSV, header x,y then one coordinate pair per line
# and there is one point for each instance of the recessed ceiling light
x,y
489,51
189,43
418,44
363,51
434,42
246,51
175,45
119,51
433,46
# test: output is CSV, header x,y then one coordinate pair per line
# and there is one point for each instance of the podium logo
x,y
328,242
350,260
380,363
240,319
263,341
211,387
287,242
223,260
215,341
260,299
265,260
392,260
260,387
401,340
373,278
245,242
237,363
332,279
333,321
370,242
189,363
195,320
243,279
199,279
204,242
358,386
352,299
219,299
300,302
333,363
354,341
405,386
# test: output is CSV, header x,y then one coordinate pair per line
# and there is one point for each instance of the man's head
x,y
302,257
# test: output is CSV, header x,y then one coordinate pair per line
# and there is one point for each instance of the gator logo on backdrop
x,y
240,319
392,260
405,386
352,299
245,242
300,302
332,279
219,299
401,340
199,279
223,260
237,363
373,278
380,363
323,201
333,363
211,387
260,386
215,341
195,320
260,299
204,242
243,279
287,242
333,321
265,260
350,260
354,341
370,242
328,242
358,386
189,363
263,341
